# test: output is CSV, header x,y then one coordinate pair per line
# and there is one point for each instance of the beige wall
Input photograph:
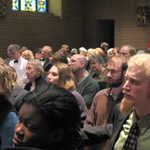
x,y
123,12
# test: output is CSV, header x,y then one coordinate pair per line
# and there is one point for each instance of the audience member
x,y
134,131
28,55
37,53
97,70
105,100
34,72
46,53
86,85
62,75
127,51
49,119
18,63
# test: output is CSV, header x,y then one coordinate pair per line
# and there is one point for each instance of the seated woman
x,y
48,119
62,75
34,73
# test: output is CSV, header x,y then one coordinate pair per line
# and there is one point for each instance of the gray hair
x,y
13,47
37,65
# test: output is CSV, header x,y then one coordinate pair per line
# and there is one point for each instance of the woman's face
x,y
53,75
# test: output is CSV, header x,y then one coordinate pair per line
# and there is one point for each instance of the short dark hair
x,y
60,109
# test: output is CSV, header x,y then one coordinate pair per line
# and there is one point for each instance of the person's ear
x,y
56,135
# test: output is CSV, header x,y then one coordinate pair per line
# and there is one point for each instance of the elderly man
x,y
86,85
134,132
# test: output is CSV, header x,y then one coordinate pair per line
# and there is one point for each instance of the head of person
x,y
112,52
96,63
137,80
48,119
77,63
65,47
27,54
104,46
59,56
37,53
13,51
61,74
127,51
115,71
6,82
83,51
46,51
34,69
22,49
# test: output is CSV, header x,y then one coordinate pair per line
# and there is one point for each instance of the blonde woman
x,y
28,55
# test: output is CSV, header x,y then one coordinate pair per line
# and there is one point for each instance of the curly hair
x,y
60,109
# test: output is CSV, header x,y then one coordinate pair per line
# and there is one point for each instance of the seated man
x,y
48,119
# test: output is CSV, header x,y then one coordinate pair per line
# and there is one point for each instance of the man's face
x,y
124,51
12,54
44,52
95,67
136,87
31,72
53,75
75,64
31,129
114,74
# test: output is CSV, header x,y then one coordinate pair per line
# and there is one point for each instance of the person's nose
x,y
126,85
109,74
19,130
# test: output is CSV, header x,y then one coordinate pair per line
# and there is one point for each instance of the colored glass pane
x,y
41,6
28,5
15,5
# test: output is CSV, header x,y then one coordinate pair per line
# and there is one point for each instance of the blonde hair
x,y
142,61
29,53
7,78
66,78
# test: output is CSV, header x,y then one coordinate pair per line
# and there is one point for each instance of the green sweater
x,y
88,89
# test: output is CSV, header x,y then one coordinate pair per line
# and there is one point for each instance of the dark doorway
x,y
105,32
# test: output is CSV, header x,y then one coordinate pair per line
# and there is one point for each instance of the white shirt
x,y
20,68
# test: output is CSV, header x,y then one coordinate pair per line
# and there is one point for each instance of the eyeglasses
x,y
112,71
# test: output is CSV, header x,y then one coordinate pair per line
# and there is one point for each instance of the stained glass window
x,y
15,5
30,5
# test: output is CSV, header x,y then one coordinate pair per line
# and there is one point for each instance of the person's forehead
x,y
135,72
124,49
113,64
27,110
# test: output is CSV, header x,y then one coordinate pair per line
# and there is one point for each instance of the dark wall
x,y
35,30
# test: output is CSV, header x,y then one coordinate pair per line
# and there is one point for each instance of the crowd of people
x,y
96,98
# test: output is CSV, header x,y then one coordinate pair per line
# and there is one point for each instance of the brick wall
x,y
124,15
35,30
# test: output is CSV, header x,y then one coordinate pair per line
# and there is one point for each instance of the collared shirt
x,y
143,141
20,68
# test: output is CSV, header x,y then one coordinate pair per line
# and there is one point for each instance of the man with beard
x,y
105,100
